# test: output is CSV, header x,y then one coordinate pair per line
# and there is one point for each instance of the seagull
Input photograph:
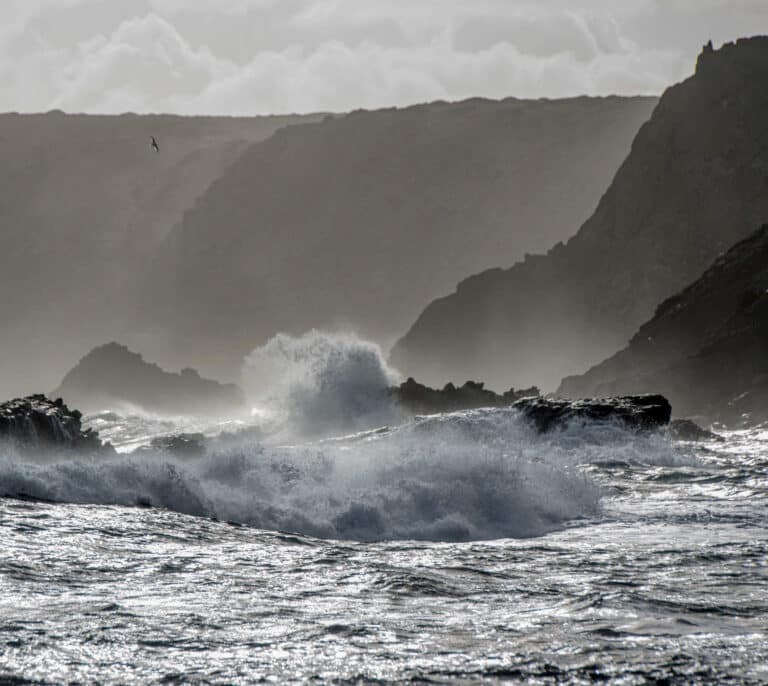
x,y
155,146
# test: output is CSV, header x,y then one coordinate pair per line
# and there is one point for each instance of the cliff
x,y
704,348
695,183
353,223
112,375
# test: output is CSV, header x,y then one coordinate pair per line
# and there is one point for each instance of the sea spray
x,y
322,383
475,475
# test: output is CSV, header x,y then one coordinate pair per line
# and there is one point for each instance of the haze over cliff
x,y
695,182
355,222
84,203
706,348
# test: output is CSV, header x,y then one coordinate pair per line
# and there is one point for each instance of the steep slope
x,y
84,202
695,182
706,348
355,222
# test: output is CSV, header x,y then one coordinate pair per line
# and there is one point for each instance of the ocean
x,y
327,539
460,548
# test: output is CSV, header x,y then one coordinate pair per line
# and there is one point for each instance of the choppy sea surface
x,y
460,548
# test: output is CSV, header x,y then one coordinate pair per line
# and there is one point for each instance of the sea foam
x,y
483,474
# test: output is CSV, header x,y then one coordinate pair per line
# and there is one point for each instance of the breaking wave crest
x,y
321,383
475,475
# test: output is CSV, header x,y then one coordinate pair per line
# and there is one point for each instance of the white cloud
x,y
255,56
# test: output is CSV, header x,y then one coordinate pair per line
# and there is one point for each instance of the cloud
x,y
258,56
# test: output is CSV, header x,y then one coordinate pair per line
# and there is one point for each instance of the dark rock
x,y
38,424
635,412
419,399
687,430
113,375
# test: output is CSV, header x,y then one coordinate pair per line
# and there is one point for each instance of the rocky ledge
x,y
37,423
634,411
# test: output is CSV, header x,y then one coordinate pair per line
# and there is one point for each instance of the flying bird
x,y
155,146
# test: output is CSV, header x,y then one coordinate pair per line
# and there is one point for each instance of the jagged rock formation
x,y
112,375
705,348
86,202
37,424
355,222
416,398
695,182
635,412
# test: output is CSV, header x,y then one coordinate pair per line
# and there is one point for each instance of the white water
x,y
320,383
465,476
473,475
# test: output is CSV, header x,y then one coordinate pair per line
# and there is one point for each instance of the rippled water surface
x,y
656,567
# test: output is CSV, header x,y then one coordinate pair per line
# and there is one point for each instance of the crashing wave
x,y
475,475
322,383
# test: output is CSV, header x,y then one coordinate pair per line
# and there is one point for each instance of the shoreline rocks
x,y
634,411
420,399
36,423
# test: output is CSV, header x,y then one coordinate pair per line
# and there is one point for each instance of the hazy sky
x,y
259,56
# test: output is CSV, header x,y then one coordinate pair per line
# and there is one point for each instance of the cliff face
x,y
355,222
695,182
84,203
706,348
112,375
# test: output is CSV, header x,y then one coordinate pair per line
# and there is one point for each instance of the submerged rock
x,y
634,411
419,399
37,423
177,445
688,430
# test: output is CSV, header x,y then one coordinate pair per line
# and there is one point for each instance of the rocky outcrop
x,y
634,412
357,221
695,183
704,348
416,398
112,375
37,424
